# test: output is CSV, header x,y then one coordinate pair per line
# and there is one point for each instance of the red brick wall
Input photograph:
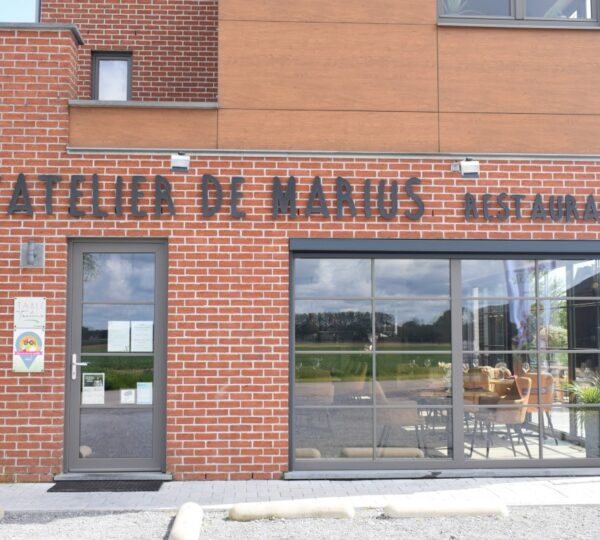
x,y
174,43
37,70
227,362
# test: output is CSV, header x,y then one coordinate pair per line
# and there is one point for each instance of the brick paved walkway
x,y
364,493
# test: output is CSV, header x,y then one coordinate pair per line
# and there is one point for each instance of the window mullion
x,y
519,9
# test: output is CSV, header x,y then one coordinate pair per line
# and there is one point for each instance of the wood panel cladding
x,y
519,70
373,11
360,67
519,133
374,88
127,127
335,131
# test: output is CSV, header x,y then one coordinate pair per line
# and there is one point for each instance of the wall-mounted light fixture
x,y
469,168
32,254
180,162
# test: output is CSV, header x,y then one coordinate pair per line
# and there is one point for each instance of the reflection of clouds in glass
x,y
120,278
331,306
97,317
112,80
333,277
559,9
424,312
409,277
18,11
498,277
569,278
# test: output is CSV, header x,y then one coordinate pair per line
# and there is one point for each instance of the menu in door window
x,y
130,336
118,336
141,336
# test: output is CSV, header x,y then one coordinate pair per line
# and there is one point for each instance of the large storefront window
x,y
377,341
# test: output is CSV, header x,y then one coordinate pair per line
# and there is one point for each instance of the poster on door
x,y
92,389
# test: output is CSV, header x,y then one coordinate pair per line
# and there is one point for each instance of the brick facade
x,y
228,309
174,44
227,363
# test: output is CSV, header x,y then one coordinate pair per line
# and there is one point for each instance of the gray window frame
x,y
98,56
38,16
518,19
455,251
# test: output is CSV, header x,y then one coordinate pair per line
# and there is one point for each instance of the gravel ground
x,y
531,523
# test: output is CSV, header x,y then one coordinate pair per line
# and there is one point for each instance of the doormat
x,y
91,486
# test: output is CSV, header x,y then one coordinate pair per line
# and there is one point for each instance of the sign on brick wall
x,y
387,199
29,335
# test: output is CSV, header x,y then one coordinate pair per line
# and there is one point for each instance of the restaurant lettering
x,y
140,196
383,198
555,208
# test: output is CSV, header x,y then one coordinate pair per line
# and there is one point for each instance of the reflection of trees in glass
x,y
91,268
93,339
333,326
415,330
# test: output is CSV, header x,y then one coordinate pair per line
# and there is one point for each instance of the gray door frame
x,y
72,461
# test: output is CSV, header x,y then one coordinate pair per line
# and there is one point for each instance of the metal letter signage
x,y
334,198
545,209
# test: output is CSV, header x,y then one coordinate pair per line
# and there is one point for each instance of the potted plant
x,y
589,416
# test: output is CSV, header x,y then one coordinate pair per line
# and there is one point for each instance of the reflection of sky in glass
x,y
569,278
408,277
424,312
546,9
490,8
118,277
18,11
333,277
498,278
96,317
112,80
331,306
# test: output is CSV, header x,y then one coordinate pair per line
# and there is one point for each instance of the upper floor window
x,y
19,11
111,76
543,12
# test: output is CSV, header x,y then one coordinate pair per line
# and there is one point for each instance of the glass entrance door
x,y
116,361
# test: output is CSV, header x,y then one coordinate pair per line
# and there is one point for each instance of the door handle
x,y
74,364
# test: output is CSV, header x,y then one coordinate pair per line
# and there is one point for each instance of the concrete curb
x,y
188,522
419,508
307,508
